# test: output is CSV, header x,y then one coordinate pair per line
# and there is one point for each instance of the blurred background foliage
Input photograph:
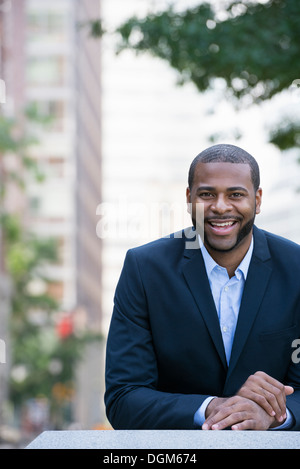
x,y
252,47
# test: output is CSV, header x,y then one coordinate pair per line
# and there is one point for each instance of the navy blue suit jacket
x,y
165,352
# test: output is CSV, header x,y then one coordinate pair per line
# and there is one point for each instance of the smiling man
x,y
201,338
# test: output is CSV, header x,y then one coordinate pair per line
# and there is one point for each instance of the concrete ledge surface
x,y
166,439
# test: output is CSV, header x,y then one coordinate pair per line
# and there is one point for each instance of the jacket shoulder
x,y
281,242
284,252
171,245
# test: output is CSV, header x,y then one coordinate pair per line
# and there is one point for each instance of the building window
x,y
46,26
46,71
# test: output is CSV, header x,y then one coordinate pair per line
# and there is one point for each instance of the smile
x,y
227,223
222,227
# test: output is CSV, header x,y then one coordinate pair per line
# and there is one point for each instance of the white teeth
x,y
229,223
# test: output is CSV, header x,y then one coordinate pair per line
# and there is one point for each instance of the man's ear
x,y
188,200
258,198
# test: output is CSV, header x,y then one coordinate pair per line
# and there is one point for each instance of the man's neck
x,y
231,259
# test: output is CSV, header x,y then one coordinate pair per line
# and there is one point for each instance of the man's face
x,y
230,204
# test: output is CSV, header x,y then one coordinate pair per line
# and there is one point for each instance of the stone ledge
x,y
166,439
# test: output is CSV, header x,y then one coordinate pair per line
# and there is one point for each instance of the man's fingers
x,y
219,412
220,420
276,398
269,393
259,399
239,414
260,389
275,392
245,425
265,397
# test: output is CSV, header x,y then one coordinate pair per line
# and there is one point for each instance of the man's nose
x,y
221,205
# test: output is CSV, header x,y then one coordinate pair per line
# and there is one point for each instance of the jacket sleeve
x,y
132,397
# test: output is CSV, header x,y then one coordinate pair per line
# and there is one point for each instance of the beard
x,y
244,231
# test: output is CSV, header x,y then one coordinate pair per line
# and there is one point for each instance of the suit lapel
x,y
197,280
257,280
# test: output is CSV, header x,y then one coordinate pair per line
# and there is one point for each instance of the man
x,y
202,338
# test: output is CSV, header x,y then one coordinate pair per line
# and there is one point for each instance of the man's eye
x,y
205,194
236,195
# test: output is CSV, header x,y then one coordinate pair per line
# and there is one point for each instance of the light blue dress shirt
x,y
227,294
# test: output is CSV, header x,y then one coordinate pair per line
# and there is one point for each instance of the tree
x,y
253,47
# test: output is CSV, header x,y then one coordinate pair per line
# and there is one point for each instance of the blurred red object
x,y
64,327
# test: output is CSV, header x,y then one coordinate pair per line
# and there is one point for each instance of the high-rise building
x,y
54,66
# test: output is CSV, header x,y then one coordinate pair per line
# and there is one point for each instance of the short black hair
x,y
225,153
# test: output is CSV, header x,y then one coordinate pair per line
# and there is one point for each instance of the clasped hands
x,y
260,404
